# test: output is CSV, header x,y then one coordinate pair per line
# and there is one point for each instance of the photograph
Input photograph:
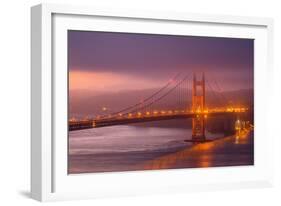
x,y
141,101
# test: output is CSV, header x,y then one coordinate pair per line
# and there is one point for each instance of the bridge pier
x,y
198,128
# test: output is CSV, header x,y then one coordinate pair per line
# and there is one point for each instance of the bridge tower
x,y
198,106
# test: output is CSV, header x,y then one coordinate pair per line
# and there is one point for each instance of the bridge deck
x,y
87,124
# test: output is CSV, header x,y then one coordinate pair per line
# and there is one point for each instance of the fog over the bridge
x,y
104,63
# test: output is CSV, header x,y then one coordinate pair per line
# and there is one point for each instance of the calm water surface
x,y
124,148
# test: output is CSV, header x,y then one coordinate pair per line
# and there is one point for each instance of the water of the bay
x,y
138,147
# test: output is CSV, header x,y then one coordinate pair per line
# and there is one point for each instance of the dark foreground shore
x,y
227,151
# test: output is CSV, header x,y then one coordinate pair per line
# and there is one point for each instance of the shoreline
x,y
224,151
208,154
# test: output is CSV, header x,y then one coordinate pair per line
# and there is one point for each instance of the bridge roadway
x,y
103,122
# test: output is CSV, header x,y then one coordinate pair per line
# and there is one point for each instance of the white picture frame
x,y
49,179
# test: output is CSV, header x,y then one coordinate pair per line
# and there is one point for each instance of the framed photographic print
x,y
137,102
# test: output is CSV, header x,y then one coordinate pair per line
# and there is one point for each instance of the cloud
x,y
108,81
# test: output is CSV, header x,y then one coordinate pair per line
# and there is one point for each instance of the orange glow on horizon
x,y
107,81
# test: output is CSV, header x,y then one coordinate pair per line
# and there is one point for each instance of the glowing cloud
x,y
108,81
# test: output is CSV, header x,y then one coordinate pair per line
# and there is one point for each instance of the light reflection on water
x,y
199,155
128,148
128,139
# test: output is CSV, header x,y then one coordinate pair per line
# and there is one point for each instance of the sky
x,y
112,62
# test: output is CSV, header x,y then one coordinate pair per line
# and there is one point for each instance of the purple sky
x,y
105,61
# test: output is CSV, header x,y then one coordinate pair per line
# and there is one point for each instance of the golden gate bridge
x,y
155,107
